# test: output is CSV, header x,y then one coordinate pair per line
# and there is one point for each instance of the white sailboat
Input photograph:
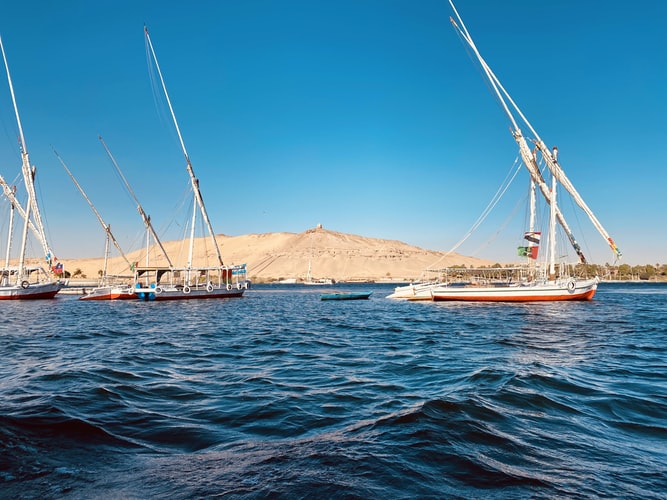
x,y
110,287
415,291
321,281
549,281
24,280
189,281
309,274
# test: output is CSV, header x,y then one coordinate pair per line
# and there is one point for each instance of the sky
x,y
366,116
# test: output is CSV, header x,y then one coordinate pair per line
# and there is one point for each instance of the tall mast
x,y
551,161
552,229
531,222
145,218
193,179
28,176
559,174
12,207
191,248
106,256
24,240
529,160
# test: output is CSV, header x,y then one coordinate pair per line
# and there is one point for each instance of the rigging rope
x,y
516,166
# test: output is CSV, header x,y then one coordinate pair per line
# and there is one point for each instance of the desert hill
x,y
275,256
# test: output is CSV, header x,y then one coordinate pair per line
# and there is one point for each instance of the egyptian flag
x,y
530,252
532,236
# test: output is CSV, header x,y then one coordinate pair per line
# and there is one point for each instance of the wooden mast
x,y
28,178
191,173
550,160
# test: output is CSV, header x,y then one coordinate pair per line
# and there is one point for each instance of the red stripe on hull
x,y
190,296
32,296
112,296
526,298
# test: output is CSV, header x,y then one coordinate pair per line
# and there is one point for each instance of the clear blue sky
x,y
367,116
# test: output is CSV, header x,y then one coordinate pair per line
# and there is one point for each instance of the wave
x,y
533,435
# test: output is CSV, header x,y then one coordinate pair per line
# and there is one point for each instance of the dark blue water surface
x,y
279,394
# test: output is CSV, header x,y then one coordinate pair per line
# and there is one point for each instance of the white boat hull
x,y
160,293
560,290
30,291
110,293
418,291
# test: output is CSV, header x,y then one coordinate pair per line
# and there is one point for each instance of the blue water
x,y
281,395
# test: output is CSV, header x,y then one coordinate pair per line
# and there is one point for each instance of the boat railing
x,y
192,277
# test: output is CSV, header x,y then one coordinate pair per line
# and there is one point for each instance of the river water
x,y
281,395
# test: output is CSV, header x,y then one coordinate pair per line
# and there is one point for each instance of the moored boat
x,y
110,292
170,283
25,280
547,280
189,281
537,280
345,295
309,275
110,287
414,291
36,283
527,291
320,282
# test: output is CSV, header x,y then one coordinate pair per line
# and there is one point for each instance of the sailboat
x,y
310,281
26,281
188,281
309,274
420,290
110,287
535,282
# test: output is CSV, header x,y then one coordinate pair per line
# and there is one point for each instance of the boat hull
x,y
159,294
543,292
419,291
345,296
170,283
31,292
110,293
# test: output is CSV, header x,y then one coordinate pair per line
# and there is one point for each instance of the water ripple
x,y
282,395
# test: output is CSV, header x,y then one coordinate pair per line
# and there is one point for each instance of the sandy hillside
x,y
273,256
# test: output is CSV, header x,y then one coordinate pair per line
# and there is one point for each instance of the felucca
x,y
23,280
110,287
189,281
544,280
